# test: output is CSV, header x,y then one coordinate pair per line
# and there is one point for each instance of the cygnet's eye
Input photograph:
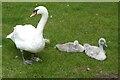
x,y
102,42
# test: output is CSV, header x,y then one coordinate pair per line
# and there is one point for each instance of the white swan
x,y
95,52
28,37
70,47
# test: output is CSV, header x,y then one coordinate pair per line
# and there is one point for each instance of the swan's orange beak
x,y
33,14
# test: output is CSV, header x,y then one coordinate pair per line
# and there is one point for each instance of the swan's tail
x,y
10,35
47,41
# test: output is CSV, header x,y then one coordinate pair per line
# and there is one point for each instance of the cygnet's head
x,y
39,10
102,42
76,43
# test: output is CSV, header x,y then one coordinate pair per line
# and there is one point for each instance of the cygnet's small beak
x,y
106,45
33,14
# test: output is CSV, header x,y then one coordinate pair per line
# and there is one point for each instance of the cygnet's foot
x,y
36,59
28,62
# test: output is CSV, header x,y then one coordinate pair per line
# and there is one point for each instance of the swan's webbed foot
x,y
27,62
36,59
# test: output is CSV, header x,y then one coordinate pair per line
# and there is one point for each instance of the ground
x,y
85,22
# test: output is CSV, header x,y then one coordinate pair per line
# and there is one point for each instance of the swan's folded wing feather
x,y
24,32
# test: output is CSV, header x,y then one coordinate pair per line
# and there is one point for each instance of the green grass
x,y
0,40
85,22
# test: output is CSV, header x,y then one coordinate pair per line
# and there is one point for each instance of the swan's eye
x,y
36,10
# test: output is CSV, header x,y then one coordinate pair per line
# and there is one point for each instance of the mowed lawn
x,y
0,53
85,22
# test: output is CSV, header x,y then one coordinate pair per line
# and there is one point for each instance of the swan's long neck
x,y
42,23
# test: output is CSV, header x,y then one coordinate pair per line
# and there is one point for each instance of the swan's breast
x,y
37,45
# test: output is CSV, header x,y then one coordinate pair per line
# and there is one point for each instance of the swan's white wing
x,y
25,32
22,32
24,37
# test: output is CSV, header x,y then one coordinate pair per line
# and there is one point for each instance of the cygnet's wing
x,y
93,51
72,48
67,47
62,47
86,47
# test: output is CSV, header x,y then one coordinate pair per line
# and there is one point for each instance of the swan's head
x,y
102,42
39,10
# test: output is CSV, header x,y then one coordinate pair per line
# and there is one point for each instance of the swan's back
x,y
24,32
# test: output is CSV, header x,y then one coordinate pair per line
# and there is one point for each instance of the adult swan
x,y
28,38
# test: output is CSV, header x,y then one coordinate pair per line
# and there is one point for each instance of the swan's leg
x,y
25,61
22,55
34,58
